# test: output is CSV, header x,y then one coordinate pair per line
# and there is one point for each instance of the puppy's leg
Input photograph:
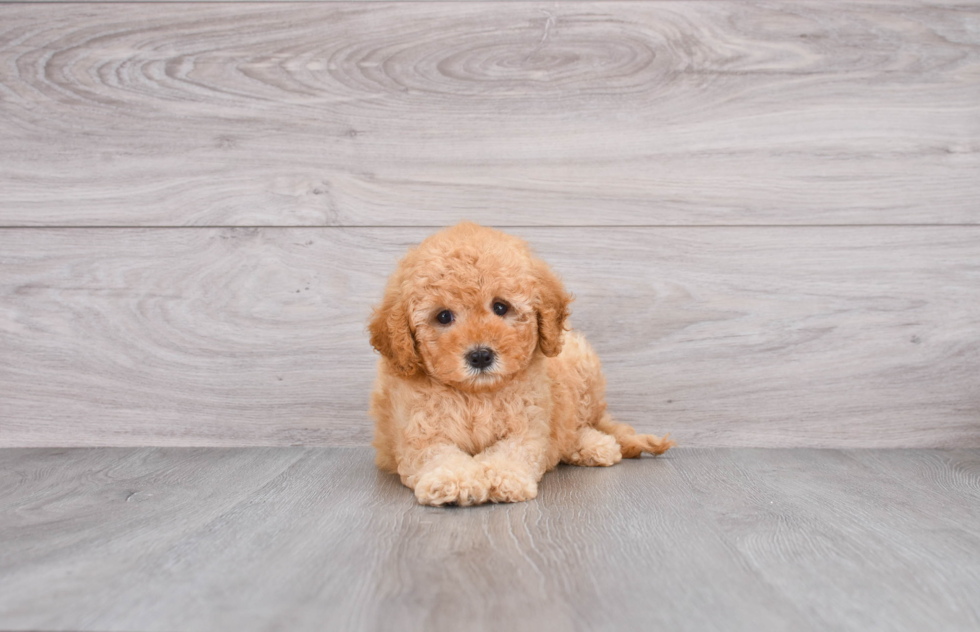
x,y
595,448
442,474
583,392
632,444
514,466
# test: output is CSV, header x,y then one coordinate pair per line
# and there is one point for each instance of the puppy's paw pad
x,y
597,452
443,486
510,485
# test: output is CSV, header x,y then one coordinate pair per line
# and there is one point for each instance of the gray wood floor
x,y
310,539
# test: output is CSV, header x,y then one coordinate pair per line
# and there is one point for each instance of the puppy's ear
x,y
391,334
552,308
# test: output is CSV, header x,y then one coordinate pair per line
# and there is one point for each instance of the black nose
x,y
480,358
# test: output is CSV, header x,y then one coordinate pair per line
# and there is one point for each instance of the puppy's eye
x,y
445,317
500,308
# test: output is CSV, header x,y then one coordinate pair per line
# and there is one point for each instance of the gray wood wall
x,y
769,212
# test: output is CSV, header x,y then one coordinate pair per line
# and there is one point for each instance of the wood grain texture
x,y
663,113
801,517
727,336
311,539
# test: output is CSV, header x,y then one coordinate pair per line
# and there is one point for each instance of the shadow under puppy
x,y
480,389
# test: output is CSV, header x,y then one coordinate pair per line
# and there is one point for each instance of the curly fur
x,y
458,435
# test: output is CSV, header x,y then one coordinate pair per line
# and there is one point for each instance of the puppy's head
x,y
470,307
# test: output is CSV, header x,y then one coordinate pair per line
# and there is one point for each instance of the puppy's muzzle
x,y
480,358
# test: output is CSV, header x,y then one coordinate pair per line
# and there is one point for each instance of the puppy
x,y
480,389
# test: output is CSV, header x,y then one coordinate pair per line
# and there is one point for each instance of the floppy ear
x,y
552,307
391,334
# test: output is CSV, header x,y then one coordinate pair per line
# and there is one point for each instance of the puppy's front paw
x,y
510,483
443,486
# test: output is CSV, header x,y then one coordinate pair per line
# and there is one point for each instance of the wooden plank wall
x,y
769,212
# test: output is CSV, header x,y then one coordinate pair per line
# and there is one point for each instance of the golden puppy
x,y
480,390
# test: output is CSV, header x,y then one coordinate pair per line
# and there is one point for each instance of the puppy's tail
x,y
632,444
